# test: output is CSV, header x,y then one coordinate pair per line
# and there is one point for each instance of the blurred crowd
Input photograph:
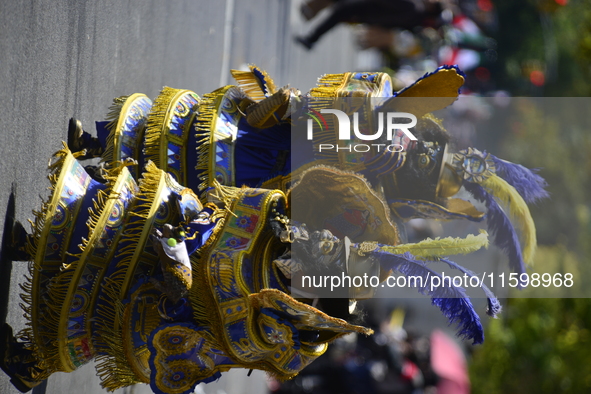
x,y
392,361
414,36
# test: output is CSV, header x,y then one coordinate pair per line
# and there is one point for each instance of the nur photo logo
x,y
387,122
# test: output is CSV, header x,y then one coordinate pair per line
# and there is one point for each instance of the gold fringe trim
x,y
200,296
109,156
48,362
205,135
99,213
328,85
62,285
262,114
323,96
252,85
112,366
226,195
157,119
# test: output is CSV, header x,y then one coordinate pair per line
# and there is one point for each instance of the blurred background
x,y
536,48
70,58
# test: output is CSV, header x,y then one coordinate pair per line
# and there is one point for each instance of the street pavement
x,y
61,58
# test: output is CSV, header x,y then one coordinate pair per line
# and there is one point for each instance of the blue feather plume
x,y
453,301
528,183
493,305
499,226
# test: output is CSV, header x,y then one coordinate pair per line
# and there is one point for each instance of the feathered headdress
x,y
506,189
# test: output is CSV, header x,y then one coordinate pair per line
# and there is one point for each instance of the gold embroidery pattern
x,y
176,376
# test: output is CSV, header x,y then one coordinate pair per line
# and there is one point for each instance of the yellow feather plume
x,y
519,213
442,247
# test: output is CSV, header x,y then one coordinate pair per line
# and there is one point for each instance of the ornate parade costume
x,y
162,268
